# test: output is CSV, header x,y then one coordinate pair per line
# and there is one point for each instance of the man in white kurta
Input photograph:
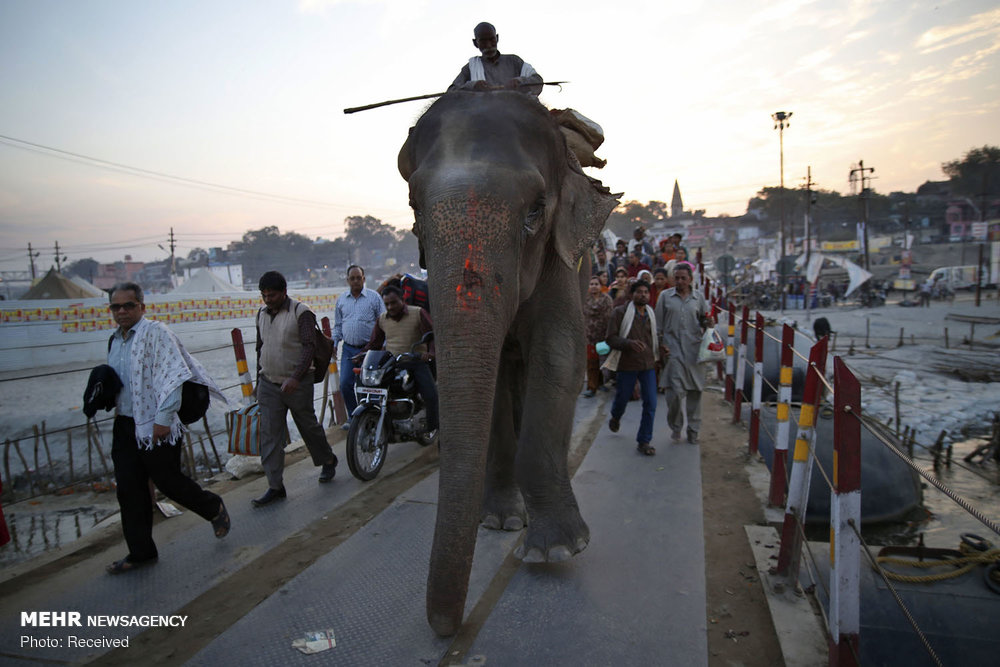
x,y
493,69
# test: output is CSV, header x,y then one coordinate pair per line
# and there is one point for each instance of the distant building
x,y
108,275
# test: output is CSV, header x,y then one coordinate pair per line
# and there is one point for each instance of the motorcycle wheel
x,y
365,456
424,440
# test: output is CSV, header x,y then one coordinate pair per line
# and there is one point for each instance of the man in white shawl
x,y
634,357
493,70
152,365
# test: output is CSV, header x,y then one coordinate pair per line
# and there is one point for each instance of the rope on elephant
x,y
972,556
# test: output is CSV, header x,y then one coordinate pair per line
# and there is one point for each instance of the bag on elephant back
x,y
583,136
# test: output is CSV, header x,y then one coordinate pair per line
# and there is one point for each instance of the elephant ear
x,y
404,161
584,206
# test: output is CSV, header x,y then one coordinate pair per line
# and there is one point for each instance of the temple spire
x,y
676,203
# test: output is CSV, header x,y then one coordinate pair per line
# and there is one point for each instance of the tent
x,y
57,286
855,274
92,289
205,281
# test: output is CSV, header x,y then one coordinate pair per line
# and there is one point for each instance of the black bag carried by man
x,y
322,350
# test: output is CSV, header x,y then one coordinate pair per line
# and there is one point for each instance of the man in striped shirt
x,y
354,318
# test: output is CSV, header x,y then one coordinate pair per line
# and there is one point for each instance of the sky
x,y
118,118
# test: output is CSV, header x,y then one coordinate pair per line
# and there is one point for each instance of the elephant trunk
x,y
468,352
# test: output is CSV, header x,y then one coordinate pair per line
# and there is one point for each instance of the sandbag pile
x,y
583,136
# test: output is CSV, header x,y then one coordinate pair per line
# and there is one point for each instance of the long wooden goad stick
x,y
433,95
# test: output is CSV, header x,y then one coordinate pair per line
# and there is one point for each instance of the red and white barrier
x,y
845,510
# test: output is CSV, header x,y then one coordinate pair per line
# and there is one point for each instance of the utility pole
x,y
173,259
808,237
781,121
32,254
59,258
864,172
810,200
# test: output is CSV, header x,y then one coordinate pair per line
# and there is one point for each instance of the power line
x,y
158,175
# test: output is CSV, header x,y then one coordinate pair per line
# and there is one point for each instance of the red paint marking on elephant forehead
x,y
469,292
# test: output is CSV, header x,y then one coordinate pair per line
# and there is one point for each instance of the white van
x,y
955,277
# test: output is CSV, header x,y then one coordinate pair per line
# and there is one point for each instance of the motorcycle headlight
x,y
372,377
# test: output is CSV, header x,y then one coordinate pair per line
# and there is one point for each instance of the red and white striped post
x,y
730,350
246,382
741,367
779,462
802,462
719,304
845,507
758,382
339,412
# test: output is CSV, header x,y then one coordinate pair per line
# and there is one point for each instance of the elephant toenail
x,y
513,523
529,555
491,521
559,554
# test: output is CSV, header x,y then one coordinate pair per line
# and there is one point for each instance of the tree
x,y
267,249
85,268
977,175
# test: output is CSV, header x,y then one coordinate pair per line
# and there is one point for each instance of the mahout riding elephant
x,y
504,216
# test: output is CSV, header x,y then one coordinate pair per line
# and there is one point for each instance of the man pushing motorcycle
x,y
398,329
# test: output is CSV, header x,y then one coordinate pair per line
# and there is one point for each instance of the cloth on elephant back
x,y
583,136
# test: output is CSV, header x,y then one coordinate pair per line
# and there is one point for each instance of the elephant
x,y
504,218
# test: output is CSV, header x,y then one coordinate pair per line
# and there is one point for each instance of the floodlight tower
x,y
781,121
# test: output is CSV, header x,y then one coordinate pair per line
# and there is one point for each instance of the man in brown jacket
x,y
631,333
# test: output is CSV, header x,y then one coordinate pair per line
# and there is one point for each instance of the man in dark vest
x,y
398,329
286,339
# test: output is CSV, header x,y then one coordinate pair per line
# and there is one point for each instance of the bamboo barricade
x,y
779,465
845,515
803,458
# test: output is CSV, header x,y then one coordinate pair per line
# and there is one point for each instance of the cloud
x,y
981,25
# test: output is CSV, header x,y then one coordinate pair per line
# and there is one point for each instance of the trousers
x,y
347,377
674,417
134,467
274,408
647,389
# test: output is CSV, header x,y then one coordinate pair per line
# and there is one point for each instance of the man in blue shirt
x,y
146,443
354,318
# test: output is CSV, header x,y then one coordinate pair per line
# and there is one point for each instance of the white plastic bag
x,y
712,348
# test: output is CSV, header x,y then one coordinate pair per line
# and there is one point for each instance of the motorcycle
x,y
389,410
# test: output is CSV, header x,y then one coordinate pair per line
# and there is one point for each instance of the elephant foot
x,y
553,545
504,511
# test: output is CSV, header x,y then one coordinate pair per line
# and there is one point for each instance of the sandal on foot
x,y
644,448
125,565
221,523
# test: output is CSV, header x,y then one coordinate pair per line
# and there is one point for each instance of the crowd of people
x,y
644,320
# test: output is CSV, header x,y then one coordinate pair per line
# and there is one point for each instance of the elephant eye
x,y
534,217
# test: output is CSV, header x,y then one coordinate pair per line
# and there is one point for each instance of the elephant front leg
x,y
503,507
556,531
